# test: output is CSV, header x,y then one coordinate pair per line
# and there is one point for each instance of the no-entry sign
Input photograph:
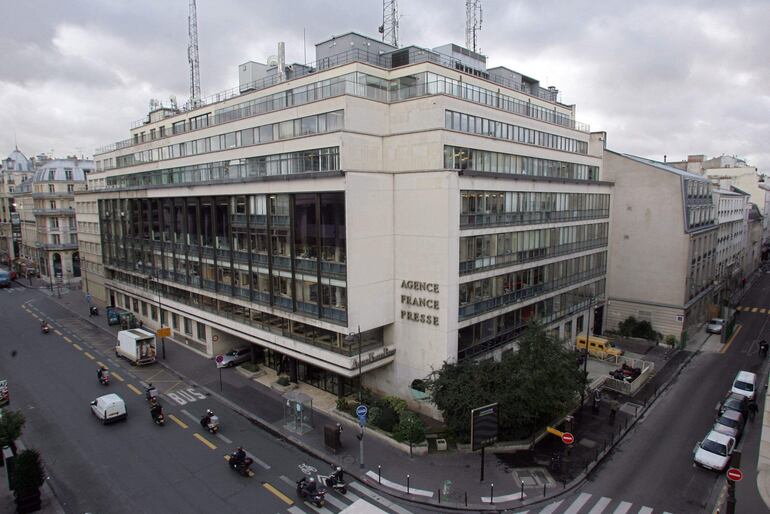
x,y
567,438
734,474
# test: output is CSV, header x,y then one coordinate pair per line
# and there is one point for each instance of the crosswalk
x,y
358,499
587,503
756,310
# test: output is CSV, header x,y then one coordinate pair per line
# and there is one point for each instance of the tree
x,y
27,477
411,429
532,385
11,423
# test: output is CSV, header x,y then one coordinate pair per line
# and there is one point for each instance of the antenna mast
x,y
192,56
473,19
389,27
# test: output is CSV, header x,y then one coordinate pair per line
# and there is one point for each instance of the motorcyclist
x,y
763,346
310,487
156,411
44,325
207,418
150,392
337,475
100,372
238,457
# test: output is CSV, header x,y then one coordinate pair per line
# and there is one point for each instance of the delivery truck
x,y
137,346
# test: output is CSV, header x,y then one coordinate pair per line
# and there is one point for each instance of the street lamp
x,y
152,279
350,338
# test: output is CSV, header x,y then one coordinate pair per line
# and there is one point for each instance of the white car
x,y
745,384
109,408
714,451
715,326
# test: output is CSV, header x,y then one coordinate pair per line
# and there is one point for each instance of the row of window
x,y
457,158
495,250
293,163
502,330
488,294
317,124
698,189
700,215
499,130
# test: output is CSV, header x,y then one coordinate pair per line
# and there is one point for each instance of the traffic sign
x,y
567,438
734,474
166,332
219,359
361,411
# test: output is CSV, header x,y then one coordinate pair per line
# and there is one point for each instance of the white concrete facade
x,y
732,238
423,170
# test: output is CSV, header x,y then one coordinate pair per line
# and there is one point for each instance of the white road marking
x,y
261,463
196,420
228,441
600,505
552,507
295,510
622,508
334,501
645,510
575,507
377,498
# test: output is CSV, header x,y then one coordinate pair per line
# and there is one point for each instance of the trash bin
x,y
332,438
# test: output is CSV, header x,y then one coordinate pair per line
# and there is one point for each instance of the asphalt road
x,y
652,469
136,466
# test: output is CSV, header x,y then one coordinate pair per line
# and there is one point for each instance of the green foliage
x,y
283,380
671,340
28,474
631,327
387,417
343,405
11,424
396,403
533,385
251,367
373,416
410,429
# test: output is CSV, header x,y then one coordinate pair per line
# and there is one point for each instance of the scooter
x,y
336,480
151,394
243,468
158,417
210,422
93,311
318,497
45,328
104,379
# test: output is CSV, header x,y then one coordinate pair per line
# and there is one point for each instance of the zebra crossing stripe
x,y
755,309
550,509
622,508
578,504
645,510
600,505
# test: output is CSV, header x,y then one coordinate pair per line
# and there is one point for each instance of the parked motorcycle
x,y
309,491
336,480
210,422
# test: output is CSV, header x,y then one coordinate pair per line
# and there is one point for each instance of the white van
x,y
745,384
109,408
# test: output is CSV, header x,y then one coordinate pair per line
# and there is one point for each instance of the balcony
x,y
57,246
54,212
54,194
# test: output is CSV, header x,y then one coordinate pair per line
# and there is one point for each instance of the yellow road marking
x,y
739,308
67,339
278,493
134,389
77,347
205,441
763,311
101,365
115,375
57,332
89,356
178,421
755,309
738,329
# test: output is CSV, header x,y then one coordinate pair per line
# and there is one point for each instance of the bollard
x,y
466,498
439,494
522,491
379,474
543,490
492,493
407,483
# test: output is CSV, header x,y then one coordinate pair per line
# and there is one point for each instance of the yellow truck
x,y
597,346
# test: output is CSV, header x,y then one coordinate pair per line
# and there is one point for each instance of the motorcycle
x,y
336,480
151,394
157,416
210,422
104,378
242,467
317,496
45,328
93,311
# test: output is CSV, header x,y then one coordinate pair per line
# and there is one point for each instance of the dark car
x,y
734,402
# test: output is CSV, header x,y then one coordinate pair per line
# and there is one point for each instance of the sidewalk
x,y
450,479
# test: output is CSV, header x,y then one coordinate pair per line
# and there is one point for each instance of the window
x,y
188,326
53,223
174,321
70,188
201,331
67,173
51,188
144,309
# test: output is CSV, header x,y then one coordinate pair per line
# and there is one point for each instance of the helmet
x,y
208,411
311,480
339,468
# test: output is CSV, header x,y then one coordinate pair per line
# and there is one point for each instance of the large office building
x,y
14,171
371,215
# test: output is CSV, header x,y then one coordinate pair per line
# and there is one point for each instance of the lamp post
x,y
585,358
154,280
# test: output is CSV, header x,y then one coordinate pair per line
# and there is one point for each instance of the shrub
x,y
671,340
28,473
386,418
252,367
11,424
343,405
396,403
410,429
283,381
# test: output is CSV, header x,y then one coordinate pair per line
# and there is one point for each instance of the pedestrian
x,y
597,400
753,408
613,411
141,324
763,348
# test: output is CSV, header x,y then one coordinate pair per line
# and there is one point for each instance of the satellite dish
x,y
272,60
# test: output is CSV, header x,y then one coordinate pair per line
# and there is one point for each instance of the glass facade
x,y
283,250
491,208
456,158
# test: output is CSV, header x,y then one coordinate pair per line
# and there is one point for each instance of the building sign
x,y
484,423
419,295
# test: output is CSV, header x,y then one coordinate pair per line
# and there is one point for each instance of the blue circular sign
x,y
361,411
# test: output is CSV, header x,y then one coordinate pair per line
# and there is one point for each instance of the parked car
x,y
5,279
714,451
736,402
731,423
715,326
233,357
745,384
109,408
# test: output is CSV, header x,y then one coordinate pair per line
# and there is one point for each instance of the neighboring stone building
x,y
732,241
412,198
662,245
46,207
14,170
754,247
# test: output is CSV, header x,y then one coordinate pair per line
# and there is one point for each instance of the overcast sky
x,y
662,77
